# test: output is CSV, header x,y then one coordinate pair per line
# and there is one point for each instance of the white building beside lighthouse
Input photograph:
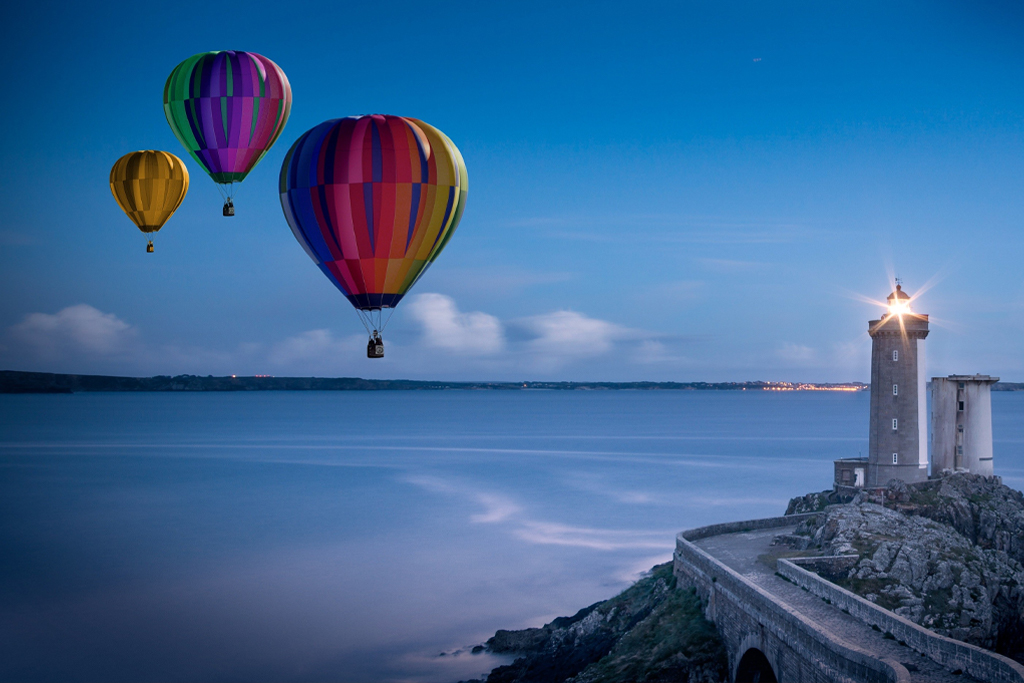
x,y
962,424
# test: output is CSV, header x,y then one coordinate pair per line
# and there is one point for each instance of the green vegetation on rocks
x,y
651,632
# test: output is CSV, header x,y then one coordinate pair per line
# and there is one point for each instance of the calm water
x,y
356,536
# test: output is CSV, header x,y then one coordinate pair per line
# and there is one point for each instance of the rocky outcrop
x,y
816,502
945,554
649,632
987,513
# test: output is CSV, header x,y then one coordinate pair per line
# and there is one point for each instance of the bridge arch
x,y
754,667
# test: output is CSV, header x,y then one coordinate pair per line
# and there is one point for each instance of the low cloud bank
x,y
435,339
444,326
80,328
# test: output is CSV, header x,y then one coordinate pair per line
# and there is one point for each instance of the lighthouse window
x,y
895,355
895,390
894,424
960,405
894,459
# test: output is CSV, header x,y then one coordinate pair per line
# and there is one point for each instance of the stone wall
x,y
749,525
954,654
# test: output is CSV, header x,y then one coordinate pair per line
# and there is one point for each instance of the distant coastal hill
x,y
13,382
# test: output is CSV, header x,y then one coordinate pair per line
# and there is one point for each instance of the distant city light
x,y
808,386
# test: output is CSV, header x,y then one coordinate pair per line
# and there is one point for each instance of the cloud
x,y
73,329
434,337
653,352
568,333
444,326
313,345
496,509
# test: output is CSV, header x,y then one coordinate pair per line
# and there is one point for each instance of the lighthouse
x,y
898,440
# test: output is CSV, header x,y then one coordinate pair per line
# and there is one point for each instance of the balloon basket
x,y
149,247
229,208
375,348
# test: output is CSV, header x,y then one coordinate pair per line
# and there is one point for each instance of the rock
x,y
816,502
517,642
651,631
981,508
944,554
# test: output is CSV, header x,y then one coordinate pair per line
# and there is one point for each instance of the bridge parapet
x,y
748,525
954,654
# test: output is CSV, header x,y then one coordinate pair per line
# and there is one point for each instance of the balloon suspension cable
x,y
227,190
374,320
363,318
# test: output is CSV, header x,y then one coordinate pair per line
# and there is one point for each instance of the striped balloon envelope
x,y
227,109
373,200
149,186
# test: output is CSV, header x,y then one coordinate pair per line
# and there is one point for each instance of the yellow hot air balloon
x,y
149,186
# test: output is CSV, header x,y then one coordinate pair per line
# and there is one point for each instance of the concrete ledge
x,y
828,563
953,654
835,659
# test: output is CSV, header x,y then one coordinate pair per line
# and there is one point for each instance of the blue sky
x,y
678,191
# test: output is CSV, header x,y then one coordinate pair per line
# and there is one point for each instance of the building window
x,y
960,406
895,390
893,458
894,424
895,355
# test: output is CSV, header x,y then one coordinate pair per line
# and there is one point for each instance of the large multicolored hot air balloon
x,y
373,200
149,186
227,109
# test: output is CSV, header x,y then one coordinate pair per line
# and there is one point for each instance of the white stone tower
x,y
898,441
962,423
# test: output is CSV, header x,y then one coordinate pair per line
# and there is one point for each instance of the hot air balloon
x,y
373,200
149,186
227,109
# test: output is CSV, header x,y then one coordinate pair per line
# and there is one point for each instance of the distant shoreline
x,y
15,382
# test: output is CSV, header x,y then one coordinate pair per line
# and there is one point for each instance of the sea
x,y
377,535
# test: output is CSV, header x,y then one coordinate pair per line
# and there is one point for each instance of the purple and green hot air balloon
x,y
227,108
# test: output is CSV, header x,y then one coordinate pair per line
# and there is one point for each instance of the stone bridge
x,y
785,623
